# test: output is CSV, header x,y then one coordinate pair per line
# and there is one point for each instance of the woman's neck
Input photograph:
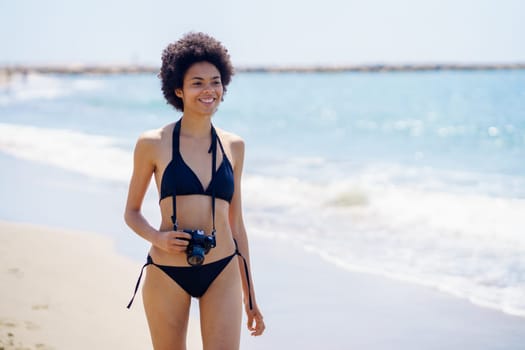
x,y
195,126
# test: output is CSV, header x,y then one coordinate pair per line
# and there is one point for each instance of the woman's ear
x,y
178,92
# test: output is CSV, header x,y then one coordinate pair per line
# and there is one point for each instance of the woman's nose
x,y
207,87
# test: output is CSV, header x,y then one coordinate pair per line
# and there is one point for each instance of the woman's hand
x,y
255,320
172,241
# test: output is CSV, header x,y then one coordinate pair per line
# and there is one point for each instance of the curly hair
x,y
179,56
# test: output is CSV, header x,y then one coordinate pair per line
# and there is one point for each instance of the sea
x,y
415,176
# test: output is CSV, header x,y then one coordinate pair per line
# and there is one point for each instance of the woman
x,y
197,170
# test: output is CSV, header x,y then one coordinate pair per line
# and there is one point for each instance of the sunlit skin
x,y
166,303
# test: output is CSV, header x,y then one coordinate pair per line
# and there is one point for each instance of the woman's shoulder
x,y
154,138
234,144
156,135
230,138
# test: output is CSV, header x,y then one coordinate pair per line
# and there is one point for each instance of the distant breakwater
x,y
7,70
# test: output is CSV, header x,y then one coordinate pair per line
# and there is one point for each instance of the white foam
x,y
23,88
466,243
91,155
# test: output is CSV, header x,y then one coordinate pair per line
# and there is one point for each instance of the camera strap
x,y
213,151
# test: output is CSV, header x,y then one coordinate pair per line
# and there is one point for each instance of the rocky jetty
x,y
7,71
76,69
382,68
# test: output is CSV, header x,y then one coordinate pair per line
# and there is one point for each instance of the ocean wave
x,y
349,198
95,156
461,242
23,88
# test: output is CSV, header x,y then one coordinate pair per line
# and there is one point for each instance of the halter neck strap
x,y
213,151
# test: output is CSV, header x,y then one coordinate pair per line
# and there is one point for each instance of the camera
x,y
200,244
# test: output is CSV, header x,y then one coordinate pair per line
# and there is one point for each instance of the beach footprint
x,y
4,323
9,339
40,307
10,325
31,325
15,271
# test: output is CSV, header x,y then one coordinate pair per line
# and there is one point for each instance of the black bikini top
x,y
179,179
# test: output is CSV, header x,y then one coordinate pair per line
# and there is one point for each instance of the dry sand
x,y
68,290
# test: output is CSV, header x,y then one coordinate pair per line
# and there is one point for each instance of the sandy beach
x,y
67,290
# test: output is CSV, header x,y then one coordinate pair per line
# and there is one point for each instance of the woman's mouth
x,y
207,100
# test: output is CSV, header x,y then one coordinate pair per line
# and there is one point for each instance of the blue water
x,y
415,176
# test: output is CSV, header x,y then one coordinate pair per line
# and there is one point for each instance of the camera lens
x,y
196,255
195,260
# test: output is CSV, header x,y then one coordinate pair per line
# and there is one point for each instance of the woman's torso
x,y
193,211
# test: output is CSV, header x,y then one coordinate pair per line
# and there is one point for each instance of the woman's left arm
x,y
255,318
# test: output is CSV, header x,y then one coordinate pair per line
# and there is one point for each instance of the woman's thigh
x,y
167,308
221,310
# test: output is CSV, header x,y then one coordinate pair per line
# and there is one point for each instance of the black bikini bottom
x,y
195,280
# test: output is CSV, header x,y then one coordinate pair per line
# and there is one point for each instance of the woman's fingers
x,y
255,323
259,326
181,235
178,240
174,241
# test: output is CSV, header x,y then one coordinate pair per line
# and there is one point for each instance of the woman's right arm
x,y
143,169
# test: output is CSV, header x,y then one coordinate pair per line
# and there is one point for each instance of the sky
x,y
265,32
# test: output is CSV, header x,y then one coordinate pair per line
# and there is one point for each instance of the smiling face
x,y
202,89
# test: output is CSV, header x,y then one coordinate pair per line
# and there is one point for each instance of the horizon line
x,y
143,68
